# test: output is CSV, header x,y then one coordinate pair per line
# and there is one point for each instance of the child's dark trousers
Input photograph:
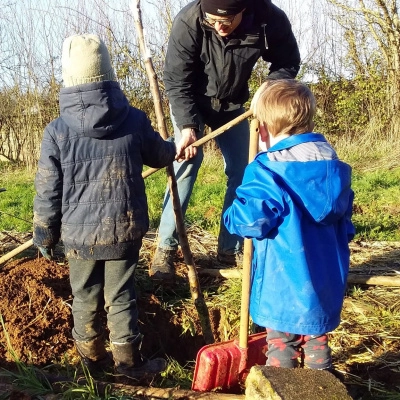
x,y
108,285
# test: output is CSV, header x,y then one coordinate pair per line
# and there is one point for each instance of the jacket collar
x,y
297,139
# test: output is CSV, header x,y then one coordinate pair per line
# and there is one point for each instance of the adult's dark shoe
x,y
230,260
162,268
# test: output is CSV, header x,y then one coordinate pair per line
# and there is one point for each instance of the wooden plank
x,y
379,280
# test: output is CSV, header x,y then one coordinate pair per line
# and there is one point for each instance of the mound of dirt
x,y
35,304
36,310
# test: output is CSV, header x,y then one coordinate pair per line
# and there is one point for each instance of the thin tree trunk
x,y
194,283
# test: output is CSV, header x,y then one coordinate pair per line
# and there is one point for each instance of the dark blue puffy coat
x,y
89,187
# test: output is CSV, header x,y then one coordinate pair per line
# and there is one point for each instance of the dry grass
x,y
366,346
368,153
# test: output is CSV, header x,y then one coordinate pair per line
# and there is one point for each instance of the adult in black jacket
x,y
90,192
213,47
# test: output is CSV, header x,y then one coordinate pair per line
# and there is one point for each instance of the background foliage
x,y
349,53
350,59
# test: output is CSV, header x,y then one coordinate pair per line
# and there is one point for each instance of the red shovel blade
x,y
224,365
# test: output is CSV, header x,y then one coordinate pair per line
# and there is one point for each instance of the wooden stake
x,y
194,284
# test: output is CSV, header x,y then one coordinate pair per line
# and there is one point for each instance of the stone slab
x,y
272,383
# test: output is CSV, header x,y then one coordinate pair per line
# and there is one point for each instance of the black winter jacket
x,y
205,72
89,187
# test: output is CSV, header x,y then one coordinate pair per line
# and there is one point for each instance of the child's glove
x,y
46,252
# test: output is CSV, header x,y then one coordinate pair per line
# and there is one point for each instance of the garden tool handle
x,y
223,128
208,137
247,253
16,251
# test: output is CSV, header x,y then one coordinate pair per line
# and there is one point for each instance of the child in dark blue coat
x,y
91,194
295,202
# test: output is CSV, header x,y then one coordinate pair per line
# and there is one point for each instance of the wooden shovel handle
x,y
247,253
16,251
223,128
208,137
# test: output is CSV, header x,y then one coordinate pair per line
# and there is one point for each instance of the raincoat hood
x,y
322,189
94,109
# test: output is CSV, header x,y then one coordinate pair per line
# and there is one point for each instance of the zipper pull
x,y
264,26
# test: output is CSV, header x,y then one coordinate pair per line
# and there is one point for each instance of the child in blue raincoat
x,y
295,203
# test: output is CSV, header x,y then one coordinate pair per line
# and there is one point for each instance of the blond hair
x,y
285,106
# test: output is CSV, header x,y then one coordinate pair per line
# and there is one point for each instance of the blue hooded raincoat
x,y
299,217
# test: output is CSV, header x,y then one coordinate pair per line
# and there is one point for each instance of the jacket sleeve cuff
x,y
283,73
192,126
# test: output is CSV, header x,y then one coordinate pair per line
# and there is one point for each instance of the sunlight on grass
x,y
376,207
17,201
156,185
206,202
177,375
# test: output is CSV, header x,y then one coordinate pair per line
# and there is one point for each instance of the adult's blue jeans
x,y
110,284
234,144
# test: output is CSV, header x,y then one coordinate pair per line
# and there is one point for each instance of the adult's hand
x,y
184,150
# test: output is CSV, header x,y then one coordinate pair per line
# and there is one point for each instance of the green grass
x,y
16,202
376,205
155,190
206,202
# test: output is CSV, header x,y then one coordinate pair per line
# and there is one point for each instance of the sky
x,y
32,31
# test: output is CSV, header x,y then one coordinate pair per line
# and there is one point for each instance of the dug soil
x,y
35,306
36,322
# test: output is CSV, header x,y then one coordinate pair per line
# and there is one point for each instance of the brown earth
x,y
35,307
36,310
